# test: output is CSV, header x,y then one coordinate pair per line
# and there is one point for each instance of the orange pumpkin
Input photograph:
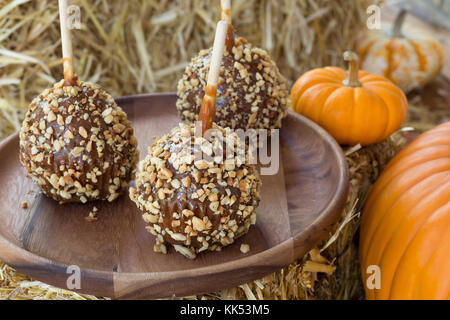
x,y
405,225
354,106
409,56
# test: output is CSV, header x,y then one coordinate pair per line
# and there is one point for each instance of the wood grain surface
x,y
115,254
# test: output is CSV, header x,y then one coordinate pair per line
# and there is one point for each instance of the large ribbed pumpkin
x,y
407,55
354,106
405,225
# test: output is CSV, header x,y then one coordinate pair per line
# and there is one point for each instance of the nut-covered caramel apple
x,y
195,205
251,92
196,187
77,144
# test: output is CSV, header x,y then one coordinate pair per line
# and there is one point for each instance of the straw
x,y
131,47
207,109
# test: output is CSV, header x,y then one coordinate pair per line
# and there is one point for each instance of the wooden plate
x,y
115,254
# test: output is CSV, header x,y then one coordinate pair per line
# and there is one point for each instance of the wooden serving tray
x,y
115,254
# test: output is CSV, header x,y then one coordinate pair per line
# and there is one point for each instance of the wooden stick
x,y
207,110
69,77
225,10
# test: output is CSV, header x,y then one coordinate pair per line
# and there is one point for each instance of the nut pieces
x,y
195,205
77,144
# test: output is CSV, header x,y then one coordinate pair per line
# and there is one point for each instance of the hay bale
x,y
16,286
143,46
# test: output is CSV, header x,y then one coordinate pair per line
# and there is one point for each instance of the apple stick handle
x,y
225,11
207,109
69,77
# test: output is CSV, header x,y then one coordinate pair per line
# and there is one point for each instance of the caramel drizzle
x,y
69,76
225,14
208,108
225,10
229,40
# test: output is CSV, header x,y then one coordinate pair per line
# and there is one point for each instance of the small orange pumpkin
x,y
354,106
409,56
405,225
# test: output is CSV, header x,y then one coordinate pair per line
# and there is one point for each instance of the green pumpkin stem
x,y
398,23
353,69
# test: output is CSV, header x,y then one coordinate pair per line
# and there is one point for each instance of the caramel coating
x,y
251,93
195,205
77,145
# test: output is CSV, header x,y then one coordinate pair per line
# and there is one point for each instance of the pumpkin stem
x,y
398,23
353,68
